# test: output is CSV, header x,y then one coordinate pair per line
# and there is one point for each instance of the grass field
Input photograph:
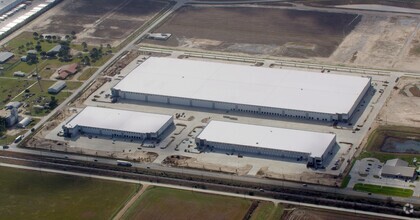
x,y
9,88
45,96
384,190
165,203
376,140
267,211
87,73
35,195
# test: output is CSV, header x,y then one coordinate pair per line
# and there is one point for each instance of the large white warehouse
x,y
117,123
312,147
257,90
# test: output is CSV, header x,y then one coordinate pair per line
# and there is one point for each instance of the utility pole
x,y
38,78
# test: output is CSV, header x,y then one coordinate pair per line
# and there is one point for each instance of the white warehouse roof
x,y
313,143
122,120
240,84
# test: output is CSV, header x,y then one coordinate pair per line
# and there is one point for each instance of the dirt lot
x,y
312,214
382,41
277,32
108,24
402,108
193,163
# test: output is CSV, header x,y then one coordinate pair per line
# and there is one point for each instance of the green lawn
x,y
384,190
267,211
11,88
72,85
9,139
345,181
87,73
36,195
165,203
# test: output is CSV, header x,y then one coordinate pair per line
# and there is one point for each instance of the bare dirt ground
x,y
381,41
312,214
277,32
188,162
307,177
110,23
402,107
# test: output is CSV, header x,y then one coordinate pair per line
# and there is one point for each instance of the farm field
x,y
267,211
35,195
277,32
165,203
110,23
300,213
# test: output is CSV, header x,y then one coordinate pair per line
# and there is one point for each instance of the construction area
x,y
111,23
258,30
359,38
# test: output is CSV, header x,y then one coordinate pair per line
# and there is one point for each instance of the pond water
x,y
398,145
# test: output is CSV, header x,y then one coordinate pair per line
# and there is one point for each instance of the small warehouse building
x,y
248,89
67,70
398,169
57,87
24,122
15,105
298,145
19,74
5,56
118,123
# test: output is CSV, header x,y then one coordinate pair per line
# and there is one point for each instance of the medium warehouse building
x,y
256,90
312,147
117,123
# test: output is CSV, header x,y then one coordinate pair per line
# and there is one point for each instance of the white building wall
x,y
202,104
359,99
180,101
134,96
254,150
224,106
235,107
158,99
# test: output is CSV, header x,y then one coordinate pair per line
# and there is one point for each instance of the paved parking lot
x,y
368,170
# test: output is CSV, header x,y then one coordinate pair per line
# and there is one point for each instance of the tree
x,y
54,38
2,125
53,102
86,61
85,46
31,58
36,35
109,48
38,47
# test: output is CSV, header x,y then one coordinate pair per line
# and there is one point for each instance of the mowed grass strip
x,y
267,211
384,190
165,203
37,195
87,73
